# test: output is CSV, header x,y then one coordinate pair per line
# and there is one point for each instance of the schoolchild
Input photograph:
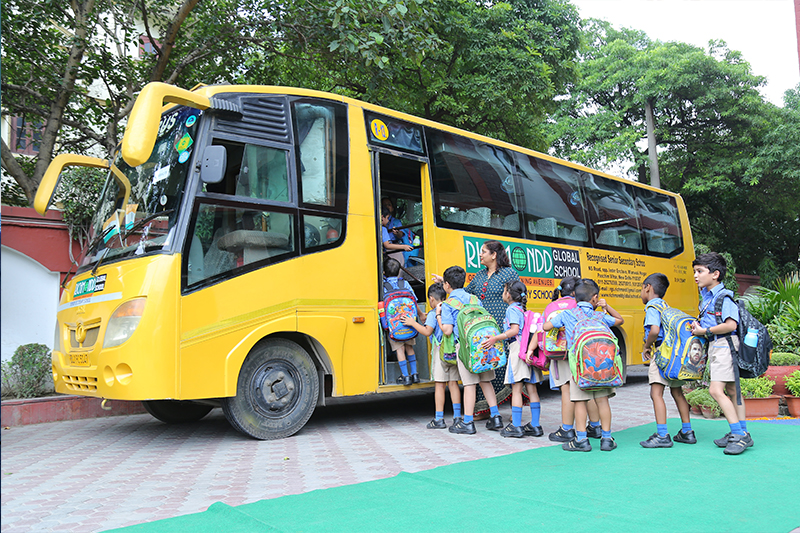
x,y
445,375
587,296
387,239
404,349
518,373
654,287
560,379
454,278
709,270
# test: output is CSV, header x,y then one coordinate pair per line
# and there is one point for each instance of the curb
x,y
62,407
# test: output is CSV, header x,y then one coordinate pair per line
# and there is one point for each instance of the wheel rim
x,y
275,388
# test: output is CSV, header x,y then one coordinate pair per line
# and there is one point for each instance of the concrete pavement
x,y
94,475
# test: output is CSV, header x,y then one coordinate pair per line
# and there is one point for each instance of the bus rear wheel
x,y
176,411
276,392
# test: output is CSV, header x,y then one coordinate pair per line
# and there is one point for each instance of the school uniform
x,y
516,369
568,322
652,317
720,360
449,316
441,371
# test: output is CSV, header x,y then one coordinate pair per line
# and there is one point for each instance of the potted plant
x,y
793,401
781,364
758,398
700,400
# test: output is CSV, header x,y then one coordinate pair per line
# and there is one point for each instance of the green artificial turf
x,y
687,488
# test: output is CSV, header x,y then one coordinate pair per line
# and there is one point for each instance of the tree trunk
x,y
655,181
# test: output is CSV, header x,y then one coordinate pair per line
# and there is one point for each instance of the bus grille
x,y
81,383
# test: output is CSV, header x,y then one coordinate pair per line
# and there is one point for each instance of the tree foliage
x,y
710,123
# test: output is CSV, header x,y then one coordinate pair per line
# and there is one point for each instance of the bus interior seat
x,y
547,227
563,233
609,237
217,260
496,223
578,233
196,264
511,222
531,229
457,217
479,216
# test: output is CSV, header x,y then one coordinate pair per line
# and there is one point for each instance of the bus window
x,y
228,238
263,174
612,213
660,221
552,203
321,145
320,232
473,184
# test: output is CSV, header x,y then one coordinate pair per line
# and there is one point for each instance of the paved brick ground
x,y
94,475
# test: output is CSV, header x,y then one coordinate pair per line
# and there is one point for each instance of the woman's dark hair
x,y
518,292
566,287
496,247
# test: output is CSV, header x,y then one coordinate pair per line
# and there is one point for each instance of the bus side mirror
x,y
215,160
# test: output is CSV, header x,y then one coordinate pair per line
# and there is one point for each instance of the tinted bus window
x,y
612,213
473,184
552,203
660,220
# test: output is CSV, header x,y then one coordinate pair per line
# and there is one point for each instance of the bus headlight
x,y
123,322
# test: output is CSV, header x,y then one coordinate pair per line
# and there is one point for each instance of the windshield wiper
x,y
145,220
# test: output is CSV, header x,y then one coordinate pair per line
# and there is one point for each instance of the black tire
x,y
176,411
623,355
276,392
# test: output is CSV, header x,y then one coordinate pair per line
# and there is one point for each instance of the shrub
x,y
702,398
784,359
793,383
759,387
29,372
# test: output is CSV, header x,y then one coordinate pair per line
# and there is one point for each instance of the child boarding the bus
x,y
709,270
588,298
406,358
654,287
518,372
454,278
559,375
444,374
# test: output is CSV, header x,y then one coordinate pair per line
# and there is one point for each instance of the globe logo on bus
x,y
518,259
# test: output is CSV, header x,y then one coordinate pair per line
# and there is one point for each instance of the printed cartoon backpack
x,y
529,331
681,355
397,302
752,361
594,358
553,343
475,325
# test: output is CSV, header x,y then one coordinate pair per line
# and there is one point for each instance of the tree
x,y
710,121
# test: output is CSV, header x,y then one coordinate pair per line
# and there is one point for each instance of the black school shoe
x,y
576,445
532,431
656,441
686,437
404,380
436,423
607,444
594,432
512,431
495,423
738,443
562,435
462,428
415,378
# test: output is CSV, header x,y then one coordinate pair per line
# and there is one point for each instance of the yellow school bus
x,y
235,258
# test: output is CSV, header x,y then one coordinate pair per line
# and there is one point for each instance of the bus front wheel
x,y
176,411
276,392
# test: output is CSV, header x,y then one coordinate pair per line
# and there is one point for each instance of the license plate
x,y
79,359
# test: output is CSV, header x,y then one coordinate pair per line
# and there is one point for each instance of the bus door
x,y
398,182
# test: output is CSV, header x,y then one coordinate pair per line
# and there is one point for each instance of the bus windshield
x,y
138,217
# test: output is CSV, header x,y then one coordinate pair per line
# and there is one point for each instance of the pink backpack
x,y
532,326
553,344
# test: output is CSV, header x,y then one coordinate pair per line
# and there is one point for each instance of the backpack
x,y
475,325
594,357
531,328
553,343
397,302
751,362
681,355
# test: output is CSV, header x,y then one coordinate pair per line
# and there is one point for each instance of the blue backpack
x,y
398,301
681,355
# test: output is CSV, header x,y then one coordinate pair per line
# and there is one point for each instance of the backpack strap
x,y
734,352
